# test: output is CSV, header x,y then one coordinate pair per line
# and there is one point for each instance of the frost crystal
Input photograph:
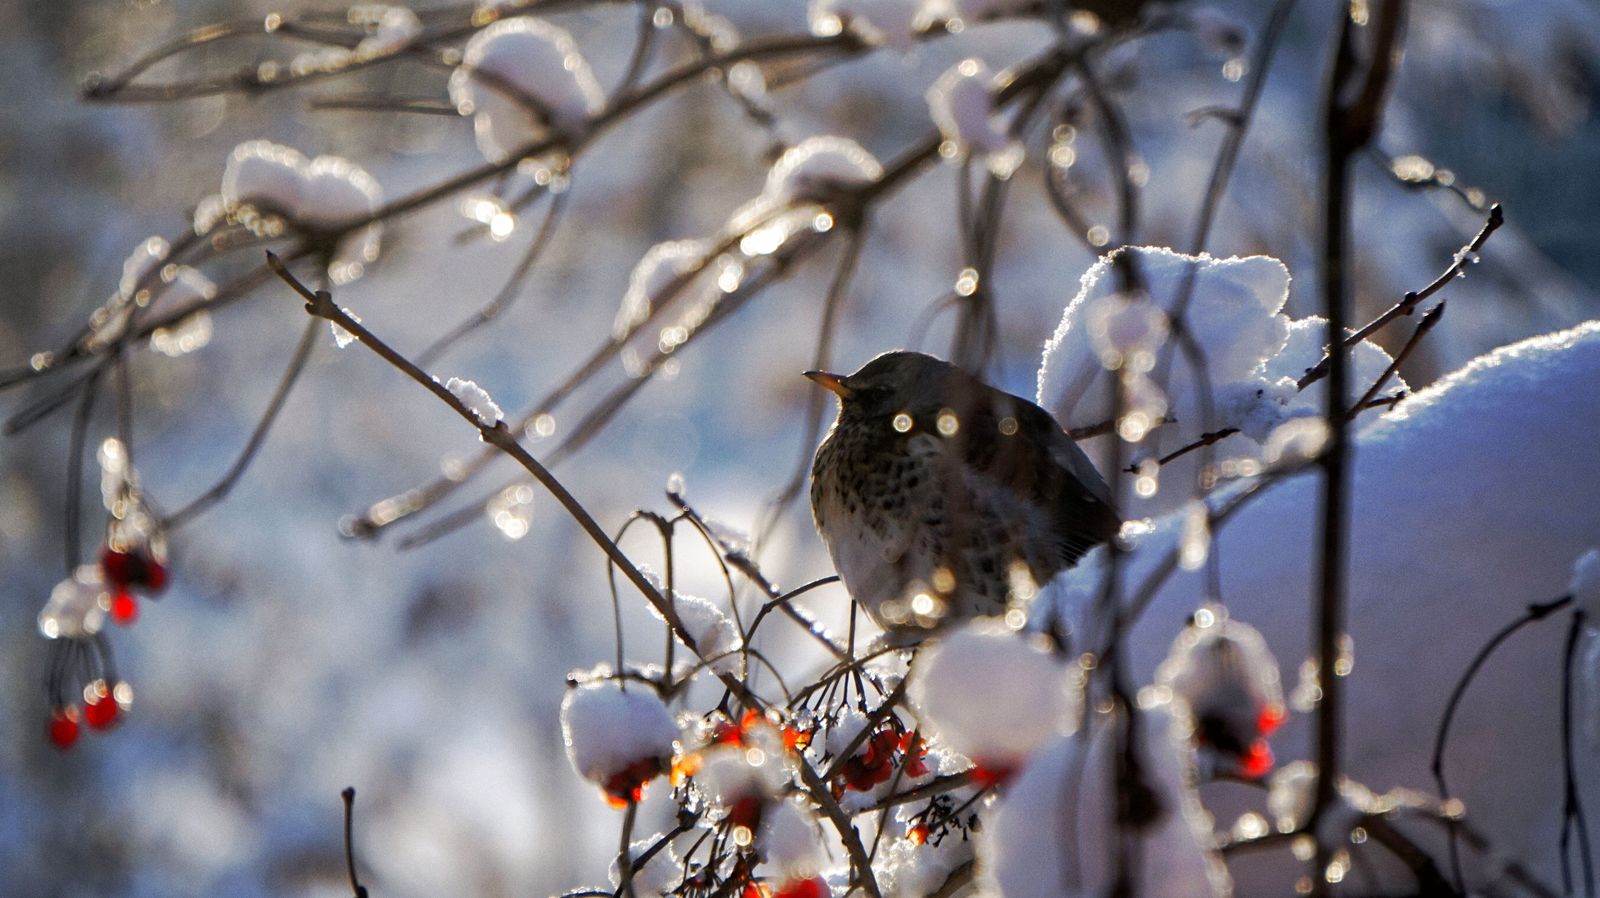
x,y
77,605
1585,586
476,399
607,730
533,82
962,103
992,694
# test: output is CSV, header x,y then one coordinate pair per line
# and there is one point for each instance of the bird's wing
x,y
1041,466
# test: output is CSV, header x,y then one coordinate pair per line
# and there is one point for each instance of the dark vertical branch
x,y
1353,106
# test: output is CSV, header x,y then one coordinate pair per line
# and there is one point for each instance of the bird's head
x,y
895,382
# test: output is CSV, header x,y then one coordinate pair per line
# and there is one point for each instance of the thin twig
x,y
349,795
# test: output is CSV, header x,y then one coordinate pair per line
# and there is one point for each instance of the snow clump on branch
x,y
522,80
266,186
963,105
993,695
476,399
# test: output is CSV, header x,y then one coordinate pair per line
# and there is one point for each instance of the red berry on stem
x,y
63,727
100,708
124,608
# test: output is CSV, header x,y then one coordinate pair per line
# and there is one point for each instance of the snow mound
x,y
1253,354
1053,833
789,839
992,693
1224,674
393,28
521,79
1469,500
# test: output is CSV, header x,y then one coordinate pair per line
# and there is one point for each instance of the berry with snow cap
x,y
993,694
618,738
1223,672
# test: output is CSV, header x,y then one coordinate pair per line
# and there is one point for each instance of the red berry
x,y
124,609
627,785
815,887
746,812
991,774
64,727
1257,762
101,709
134,568
155,575
1271,717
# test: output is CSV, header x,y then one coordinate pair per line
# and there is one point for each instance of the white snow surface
x,y
1253,355
1470,499
476,399
1048,835
1584,587
992,694
790,841
534,81
606,728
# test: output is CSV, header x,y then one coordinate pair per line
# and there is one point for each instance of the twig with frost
x,y
1410,301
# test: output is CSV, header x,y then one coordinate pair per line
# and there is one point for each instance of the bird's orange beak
x,y
833,383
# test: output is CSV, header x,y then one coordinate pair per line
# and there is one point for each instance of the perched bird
x,y
941,498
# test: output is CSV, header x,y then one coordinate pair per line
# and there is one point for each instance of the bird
x,y
941,498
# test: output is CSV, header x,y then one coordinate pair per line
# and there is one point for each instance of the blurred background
x,y
285,662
